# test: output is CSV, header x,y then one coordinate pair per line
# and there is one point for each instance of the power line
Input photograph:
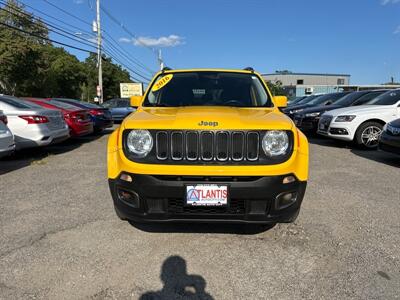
x,y
115,20
49,16
118,61
74,37
127,56
55,30
112,54
66,12
45,38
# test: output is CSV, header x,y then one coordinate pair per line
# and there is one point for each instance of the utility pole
x,y
99,60
160,60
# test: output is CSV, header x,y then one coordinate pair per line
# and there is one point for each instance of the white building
x,y
295,79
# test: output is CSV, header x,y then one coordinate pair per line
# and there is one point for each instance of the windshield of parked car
x,y
368,97
208,89
349,98
388,98
327,98
307,99
116,103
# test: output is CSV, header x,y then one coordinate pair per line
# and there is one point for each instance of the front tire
x,y
367,135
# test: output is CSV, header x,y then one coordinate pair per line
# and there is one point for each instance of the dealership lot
x,y
60,237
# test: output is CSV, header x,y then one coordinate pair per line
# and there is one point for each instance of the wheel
x,y
367,135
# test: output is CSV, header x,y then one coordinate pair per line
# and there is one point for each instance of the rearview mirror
x,y
280,101
136,101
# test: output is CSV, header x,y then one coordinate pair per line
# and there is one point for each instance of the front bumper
x,y
389,143
306,123
252,199
338,131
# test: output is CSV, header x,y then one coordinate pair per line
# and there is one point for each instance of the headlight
x,y
345,118
139,142
275,142
314,114
385,127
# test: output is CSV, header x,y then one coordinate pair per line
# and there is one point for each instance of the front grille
x,y
236,207
182,147
324,123
208,146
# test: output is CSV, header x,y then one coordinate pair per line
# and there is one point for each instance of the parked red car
x,y
78,120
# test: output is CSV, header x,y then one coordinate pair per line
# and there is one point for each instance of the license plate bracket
x,y
215,194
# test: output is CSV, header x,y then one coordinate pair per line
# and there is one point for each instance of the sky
x,y
356,37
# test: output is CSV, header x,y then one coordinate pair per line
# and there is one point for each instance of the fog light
x,y
286,199
288,179
129,197
126,177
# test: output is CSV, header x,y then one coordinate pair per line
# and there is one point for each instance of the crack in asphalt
x,y
43,235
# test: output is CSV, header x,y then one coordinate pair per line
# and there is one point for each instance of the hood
x,y
319,108
362,109
289,109
208,118
395,123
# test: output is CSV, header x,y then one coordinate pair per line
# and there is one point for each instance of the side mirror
x,y
280,101
328,103
136,101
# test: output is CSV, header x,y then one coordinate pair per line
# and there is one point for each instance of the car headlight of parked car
x,y
139,142
385,127
314,114
275,142
347,118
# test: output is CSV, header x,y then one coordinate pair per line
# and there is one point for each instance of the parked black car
x,y
302,100
100,116
326,99
307,120
390,137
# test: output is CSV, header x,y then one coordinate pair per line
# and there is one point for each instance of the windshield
x,y
388,98
208,89
308,99
325,98
350,98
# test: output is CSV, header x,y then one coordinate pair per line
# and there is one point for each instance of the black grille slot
x,y
162,145
253,143
207,145
222,146
237,146
177,145
192,145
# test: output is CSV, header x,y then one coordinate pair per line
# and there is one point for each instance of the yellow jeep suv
x,y
208,145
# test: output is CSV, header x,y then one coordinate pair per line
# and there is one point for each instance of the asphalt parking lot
x,y
60,237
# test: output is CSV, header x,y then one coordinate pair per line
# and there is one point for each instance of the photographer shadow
x,y
177,283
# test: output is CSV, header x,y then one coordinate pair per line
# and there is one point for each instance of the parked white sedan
x,y
32,125
7,144
362,124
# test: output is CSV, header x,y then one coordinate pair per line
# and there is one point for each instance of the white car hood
x,y
361,110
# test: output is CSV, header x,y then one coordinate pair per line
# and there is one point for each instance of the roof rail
x,y
249,69
165,69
